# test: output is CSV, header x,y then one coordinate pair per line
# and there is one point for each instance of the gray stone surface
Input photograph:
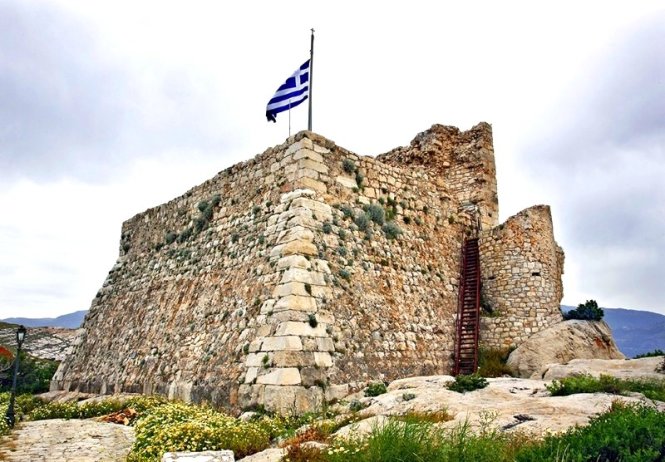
x,y
269,455
621,368
203,456
67,441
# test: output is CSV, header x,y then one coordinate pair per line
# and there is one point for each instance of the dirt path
x,y
66,440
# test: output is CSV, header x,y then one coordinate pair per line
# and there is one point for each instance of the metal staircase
x,y
468,310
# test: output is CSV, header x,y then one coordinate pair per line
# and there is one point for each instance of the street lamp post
x,y
10,416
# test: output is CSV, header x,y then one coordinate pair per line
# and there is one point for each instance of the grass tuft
x,y
651,388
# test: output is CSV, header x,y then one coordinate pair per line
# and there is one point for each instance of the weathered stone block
x,y
310,183
325,344
252,373
304,192
323,359
307,399
312,165
347,182
336,392
312,376
302,329
280,399
322,210
296,303
296,233
293,261
280,376
299,248
308,154
290,288
281,344
304,276
293,358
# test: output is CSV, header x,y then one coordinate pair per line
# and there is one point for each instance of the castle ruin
x,y
308,270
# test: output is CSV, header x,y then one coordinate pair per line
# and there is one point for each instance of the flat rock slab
x,y
67,441
622,369
505,402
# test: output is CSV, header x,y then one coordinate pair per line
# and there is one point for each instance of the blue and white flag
x,y
292,92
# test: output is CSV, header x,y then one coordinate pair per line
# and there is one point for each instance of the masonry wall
x,y
521,267
264,285
463,162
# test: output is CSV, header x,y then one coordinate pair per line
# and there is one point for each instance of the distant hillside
x,y
635,331
69,321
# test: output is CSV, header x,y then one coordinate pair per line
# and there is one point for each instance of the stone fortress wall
x,y
269,284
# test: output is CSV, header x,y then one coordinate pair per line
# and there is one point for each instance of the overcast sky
x,y
109,108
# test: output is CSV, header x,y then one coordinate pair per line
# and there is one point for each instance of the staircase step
x,y
468,316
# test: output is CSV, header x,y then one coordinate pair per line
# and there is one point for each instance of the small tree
x,y
588,311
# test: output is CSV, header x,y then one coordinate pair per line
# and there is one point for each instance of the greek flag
x,y
292,92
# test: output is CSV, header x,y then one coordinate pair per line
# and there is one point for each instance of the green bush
x,y
348,166
180,427
170,237
629,433
359,179
347,211
202,206
73,410
327,227
492,362
391,230
185,235
651,354
376,214
362,221
356,406
376,389
34,375
588,311
464,383
651,388
23,405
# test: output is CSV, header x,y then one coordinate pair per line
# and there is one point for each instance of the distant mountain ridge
x,y
635,331
69,321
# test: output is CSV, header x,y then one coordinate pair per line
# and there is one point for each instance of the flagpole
x,y
311,80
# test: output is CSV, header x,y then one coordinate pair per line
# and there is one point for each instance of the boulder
x,y
563,342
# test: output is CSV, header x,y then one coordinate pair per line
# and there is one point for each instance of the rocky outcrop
x,y
42,342
561,343
620,368
510,404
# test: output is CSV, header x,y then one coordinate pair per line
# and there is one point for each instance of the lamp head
x,y
20,334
